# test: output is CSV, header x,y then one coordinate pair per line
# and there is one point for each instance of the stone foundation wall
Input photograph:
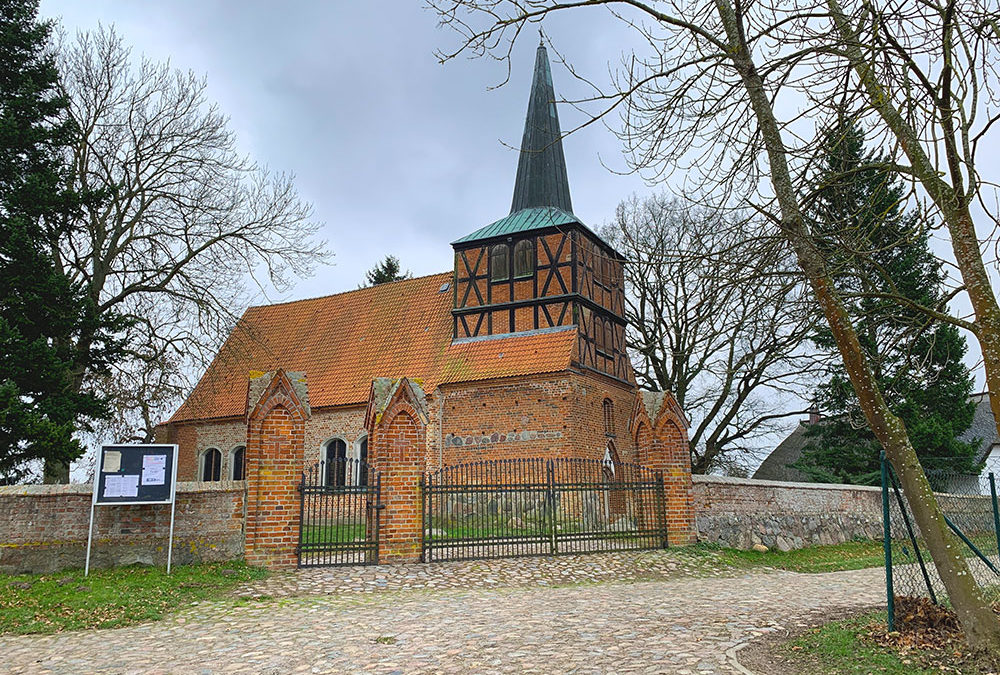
x,y
43,528
739,513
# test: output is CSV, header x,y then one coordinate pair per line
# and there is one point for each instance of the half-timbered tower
x,y
540,267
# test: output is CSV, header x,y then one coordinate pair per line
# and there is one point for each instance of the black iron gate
x,y
520,507
339,514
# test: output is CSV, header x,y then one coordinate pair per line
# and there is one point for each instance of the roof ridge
x,y
354,290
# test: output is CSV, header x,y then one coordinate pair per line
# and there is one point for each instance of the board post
x,y
131,474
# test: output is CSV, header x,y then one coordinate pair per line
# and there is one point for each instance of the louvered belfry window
x,y
524,259
500,262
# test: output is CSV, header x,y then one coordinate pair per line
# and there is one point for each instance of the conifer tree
x,y
40,309
386,271
877,250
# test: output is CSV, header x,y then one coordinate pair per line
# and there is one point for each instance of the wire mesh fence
x,y
969,504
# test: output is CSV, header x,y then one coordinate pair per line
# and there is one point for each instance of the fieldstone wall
x,y
740,513
43,528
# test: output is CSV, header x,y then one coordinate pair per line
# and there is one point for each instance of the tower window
x,y
609,417
500,262
524,259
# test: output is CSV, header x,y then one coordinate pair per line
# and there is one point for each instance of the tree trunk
x,y
968,256
981,628
55,471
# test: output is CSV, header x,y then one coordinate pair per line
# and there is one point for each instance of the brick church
x,y
518,351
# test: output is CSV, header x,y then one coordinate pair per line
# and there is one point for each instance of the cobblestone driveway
x,y
679,625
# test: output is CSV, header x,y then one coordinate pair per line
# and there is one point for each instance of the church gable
x,y
535,292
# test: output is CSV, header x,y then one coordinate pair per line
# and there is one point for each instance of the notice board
x,y
135,474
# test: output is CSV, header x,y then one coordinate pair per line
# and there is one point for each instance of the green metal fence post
x,y
996,511
887,544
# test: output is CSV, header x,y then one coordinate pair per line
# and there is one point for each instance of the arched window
x,y
500,262
609,417
362,477
524,259
237,463
335,458
211,465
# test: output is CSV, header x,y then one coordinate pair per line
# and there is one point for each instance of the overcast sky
x,y
397,152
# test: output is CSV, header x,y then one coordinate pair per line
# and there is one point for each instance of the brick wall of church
x,y
540,416
588,416
526,417
195,438
346,423
559,415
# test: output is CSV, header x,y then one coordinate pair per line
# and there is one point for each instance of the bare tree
x,y
716,317
711,95
188,227
928,72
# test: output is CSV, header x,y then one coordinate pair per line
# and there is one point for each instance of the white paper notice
x,y
112,461
113,486
130,486
154,469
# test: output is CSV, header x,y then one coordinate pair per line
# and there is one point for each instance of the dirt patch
x,y
932,635
928,637
771,654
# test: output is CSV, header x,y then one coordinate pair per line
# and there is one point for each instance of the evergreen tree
x,y
40,309
877,249
386,271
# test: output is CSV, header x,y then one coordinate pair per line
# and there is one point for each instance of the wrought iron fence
x,y
534,506
969,503
339,502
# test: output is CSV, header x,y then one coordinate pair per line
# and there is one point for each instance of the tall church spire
x,y
541,169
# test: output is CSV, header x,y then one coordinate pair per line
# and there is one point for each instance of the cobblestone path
x,y
680,625
497,573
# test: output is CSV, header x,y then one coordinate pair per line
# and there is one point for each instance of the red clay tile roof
x,y
343,341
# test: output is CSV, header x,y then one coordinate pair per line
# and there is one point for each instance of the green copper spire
x,y
541,169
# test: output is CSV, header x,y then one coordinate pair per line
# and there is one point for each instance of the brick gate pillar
x,y
397,424
277,410
660,434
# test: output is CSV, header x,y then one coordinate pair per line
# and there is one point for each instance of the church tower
x,y
540,268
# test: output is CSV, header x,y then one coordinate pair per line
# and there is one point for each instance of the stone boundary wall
x,y
43,528
740,512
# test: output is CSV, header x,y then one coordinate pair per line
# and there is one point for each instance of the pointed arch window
x,y
211,465
609,417
500,262
335,462
524,259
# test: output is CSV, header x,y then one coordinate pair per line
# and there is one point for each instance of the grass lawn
x,y
49,603
333,532
851,555
850,647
